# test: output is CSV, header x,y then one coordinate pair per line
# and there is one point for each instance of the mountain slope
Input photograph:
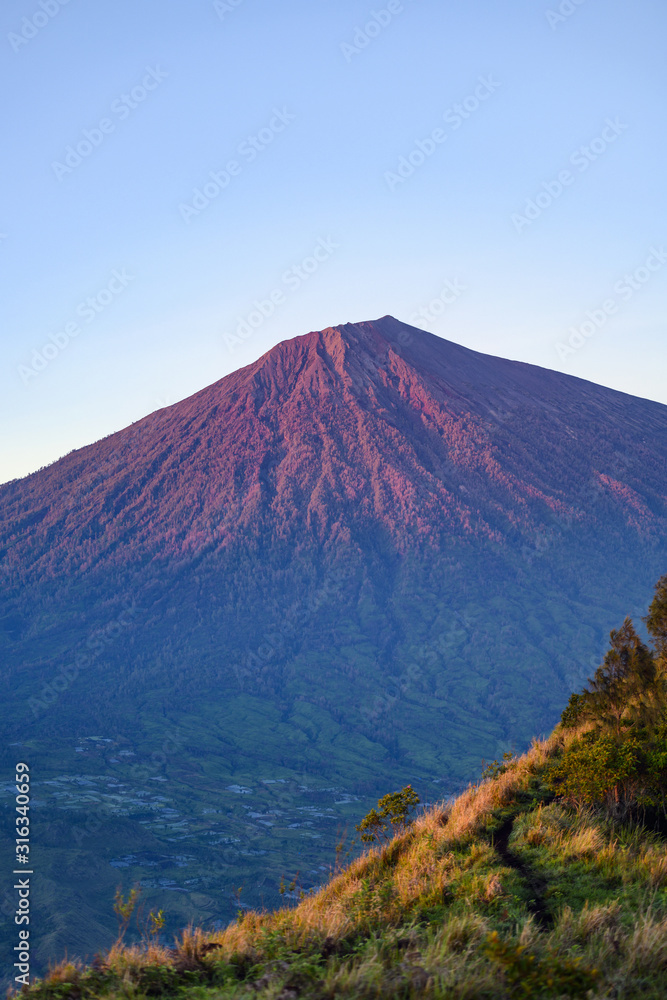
x,y
371,553
334,430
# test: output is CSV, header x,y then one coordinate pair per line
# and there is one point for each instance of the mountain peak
x,y
369,352
364,422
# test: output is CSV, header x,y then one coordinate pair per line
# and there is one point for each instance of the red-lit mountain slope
x,y
368,425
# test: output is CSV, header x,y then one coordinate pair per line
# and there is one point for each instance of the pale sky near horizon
x,y
169,169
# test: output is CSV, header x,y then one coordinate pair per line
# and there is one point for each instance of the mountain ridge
x,y
322,377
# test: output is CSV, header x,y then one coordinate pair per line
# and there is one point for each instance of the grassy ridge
x,y
505,893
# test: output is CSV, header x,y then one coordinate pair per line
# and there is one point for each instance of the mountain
x,y
372,428
370,556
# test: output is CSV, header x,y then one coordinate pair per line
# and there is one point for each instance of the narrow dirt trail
x,y
537,886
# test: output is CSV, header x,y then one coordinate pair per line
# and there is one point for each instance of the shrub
x,y
530,976
391,816
597,769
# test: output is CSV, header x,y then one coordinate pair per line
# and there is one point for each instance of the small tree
x,y
124,908
656,619
627,672
621,761
155,924
390,817
577,710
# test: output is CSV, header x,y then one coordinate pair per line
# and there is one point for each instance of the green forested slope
x,y
546,879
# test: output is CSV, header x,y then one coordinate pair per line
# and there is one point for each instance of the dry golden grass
x,y
647,947
654,866
582,844
493,888
592,921
538,832
418,862
474,807
530,933
66,971
121,956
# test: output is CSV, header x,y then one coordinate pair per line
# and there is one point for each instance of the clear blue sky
x,y
172,92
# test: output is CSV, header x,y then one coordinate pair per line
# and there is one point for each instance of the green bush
x,y
599,768
530,976
621,761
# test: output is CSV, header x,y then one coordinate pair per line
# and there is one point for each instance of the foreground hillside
x,y
544,879
506,893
